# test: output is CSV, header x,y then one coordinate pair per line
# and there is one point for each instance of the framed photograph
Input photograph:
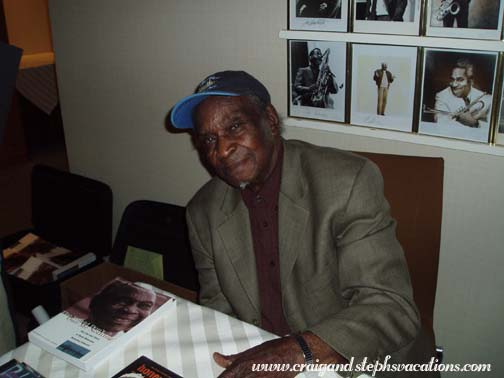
x,y
457,93
499,132
387,16
383,86
327,15
317,80
464,19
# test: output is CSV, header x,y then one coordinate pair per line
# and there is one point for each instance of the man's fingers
x,y
223,361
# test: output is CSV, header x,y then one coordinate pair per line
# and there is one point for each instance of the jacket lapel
x,y
293,212
237,239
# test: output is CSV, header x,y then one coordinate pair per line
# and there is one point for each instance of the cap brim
x,y
182,113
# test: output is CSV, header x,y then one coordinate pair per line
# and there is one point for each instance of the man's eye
x,y
209,140
235,126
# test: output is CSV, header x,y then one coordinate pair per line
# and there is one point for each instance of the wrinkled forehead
x,y
220,108
133,292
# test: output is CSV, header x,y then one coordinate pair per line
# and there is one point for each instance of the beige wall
x,y
123,63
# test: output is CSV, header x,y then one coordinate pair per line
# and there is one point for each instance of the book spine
x,y
65,270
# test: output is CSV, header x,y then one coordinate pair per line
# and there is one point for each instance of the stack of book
x,y
40,262
88,332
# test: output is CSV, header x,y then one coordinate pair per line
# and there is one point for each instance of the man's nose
x,y
225,147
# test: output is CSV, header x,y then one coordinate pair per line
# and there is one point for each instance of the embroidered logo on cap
x,y
207,84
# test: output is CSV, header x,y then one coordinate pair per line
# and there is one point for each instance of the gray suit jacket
x,y
343,273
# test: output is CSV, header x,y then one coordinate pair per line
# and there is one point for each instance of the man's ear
x,y
273,119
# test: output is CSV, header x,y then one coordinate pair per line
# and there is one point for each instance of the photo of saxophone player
x,y
450,11
314,84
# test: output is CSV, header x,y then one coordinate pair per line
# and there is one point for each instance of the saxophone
x,y
447,6
318,97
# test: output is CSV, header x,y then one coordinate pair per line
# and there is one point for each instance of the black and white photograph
x,y
499,132
326,15
464,19
387,16
457,94
317,80
383,86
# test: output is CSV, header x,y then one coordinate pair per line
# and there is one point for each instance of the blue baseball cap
x,y
225,83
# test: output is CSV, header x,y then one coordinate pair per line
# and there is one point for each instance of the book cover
x,y
145,367
16,369
87,333
40,262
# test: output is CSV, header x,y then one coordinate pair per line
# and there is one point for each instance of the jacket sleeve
x,y
210,294
380,317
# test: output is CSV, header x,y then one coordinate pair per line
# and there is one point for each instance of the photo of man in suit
x,y
383,78
314,83
385,10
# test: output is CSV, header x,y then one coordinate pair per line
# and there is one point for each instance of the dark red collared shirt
x,y
263,214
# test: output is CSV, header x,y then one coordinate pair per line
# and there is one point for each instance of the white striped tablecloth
x,y
183,341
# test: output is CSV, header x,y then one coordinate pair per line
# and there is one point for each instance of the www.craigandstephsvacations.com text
x,y
373,368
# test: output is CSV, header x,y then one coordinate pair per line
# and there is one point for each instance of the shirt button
x,y
259,198
265,224
272,263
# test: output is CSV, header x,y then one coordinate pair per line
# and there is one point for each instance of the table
x,y
183,341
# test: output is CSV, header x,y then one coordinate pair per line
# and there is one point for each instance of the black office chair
x,y
68,210
159,228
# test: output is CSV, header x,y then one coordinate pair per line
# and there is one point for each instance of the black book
x,y
145,367
16,369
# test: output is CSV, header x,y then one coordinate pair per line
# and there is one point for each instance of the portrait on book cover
x,y
457,94
387,16
328,15
317,80
383,86
464,18
118,306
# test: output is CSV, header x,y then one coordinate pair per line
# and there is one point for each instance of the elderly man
x,y
120,306
460,101
292,237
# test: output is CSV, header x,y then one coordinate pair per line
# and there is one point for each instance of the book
x,y
40,262
88,332
17,369
145,367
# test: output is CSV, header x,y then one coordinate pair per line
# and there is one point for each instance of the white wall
x,y
123,63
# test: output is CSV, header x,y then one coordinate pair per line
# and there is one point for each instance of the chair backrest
x,y
72,210
414,189
161,228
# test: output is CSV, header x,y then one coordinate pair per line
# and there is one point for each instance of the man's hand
x,y
276,352
279,351
467,119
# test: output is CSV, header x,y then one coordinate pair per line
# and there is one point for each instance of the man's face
x,y
459,83
384,66
124,308
237,139
316,56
